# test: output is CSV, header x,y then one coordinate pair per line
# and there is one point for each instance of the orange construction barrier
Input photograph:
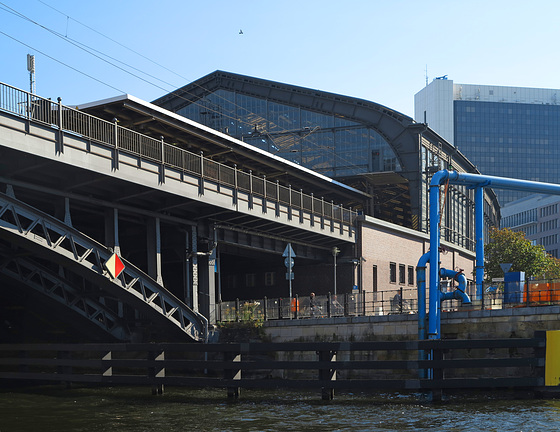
x,y
538,292
295,305
555,291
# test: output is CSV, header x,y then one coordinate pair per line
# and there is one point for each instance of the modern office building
x,y
504,131
537,216
358,142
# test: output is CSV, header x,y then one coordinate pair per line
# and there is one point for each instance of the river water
x,y
179,409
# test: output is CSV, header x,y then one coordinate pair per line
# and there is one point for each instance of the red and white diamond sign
x,y
114,266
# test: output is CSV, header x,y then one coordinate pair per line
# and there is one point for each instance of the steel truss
x,y
40,233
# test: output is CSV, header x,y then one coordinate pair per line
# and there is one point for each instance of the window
x,y
393,272
401,274
374,279
250,280
410,275
269,278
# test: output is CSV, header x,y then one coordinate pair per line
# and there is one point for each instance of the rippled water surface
x,y
179,409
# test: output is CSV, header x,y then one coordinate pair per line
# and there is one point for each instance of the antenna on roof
x,y
31,69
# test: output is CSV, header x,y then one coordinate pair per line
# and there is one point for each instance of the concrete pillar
x,y
154,250
112,230
207,287
194,268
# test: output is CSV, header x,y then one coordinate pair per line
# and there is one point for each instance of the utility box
x,y
514,283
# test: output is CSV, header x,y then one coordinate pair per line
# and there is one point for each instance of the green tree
x,y
506,246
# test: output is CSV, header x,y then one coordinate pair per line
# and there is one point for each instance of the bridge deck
x,y
54,132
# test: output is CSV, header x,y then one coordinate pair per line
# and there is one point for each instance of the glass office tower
x,y
505,131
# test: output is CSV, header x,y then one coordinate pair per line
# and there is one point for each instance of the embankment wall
x,y
485,324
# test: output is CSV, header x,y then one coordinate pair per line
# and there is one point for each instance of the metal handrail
x,y
70,120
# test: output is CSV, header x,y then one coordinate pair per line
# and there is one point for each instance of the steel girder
x,y
54,286
40,233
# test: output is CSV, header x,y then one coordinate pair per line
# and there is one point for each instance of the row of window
x,y
549,240
549,210
406,274
520,218
549,225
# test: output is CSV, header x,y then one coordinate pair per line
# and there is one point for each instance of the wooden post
x,y
540,353
232,373
156,371
65,369
107,369
437,375
327,375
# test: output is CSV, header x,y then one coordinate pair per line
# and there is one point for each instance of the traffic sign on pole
x,y
289,263
289,252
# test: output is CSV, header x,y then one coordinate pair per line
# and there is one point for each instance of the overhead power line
x,y
100,55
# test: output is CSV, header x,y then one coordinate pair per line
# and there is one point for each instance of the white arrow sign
x,y
289,252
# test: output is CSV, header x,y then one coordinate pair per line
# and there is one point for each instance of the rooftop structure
x,y
357,142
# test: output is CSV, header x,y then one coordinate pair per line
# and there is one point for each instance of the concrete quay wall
x,y
480,324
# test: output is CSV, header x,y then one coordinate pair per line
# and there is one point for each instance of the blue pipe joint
x,y
459,293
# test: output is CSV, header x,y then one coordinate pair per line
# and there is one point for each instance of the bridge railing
x,y
69,120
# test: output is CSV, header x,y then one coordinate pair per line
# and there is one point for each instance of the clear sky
x,y
372,49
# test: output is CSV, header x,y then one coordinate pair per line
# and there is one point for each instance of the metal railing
x,y
396,301
69,120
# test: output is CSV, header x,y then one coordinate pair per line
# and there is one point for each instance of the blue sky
x,y
375,50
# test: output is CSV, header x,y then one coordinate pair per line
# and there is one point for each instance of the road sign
x,y
289,252
114,266
289,256
505,267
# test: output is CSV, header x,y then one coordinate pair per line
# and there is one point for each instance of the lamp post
x,y
335,251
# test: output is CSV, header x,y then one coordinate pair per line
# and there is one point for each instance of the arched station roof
x,y
402,133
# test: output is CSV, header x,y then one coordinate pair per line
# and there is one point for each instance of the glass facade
x,y
458,224
512,140
316,134
324,143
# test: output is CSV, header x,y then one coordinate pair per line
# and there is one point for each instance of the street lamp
x,y
335,251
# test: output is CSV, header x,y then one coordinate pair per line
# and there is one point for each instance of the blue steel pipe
x,y
499,182
421,287
479,233
459,293
433,314
478,182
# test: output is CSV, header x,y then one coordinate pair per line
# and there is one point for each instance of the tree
x,y
506,246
